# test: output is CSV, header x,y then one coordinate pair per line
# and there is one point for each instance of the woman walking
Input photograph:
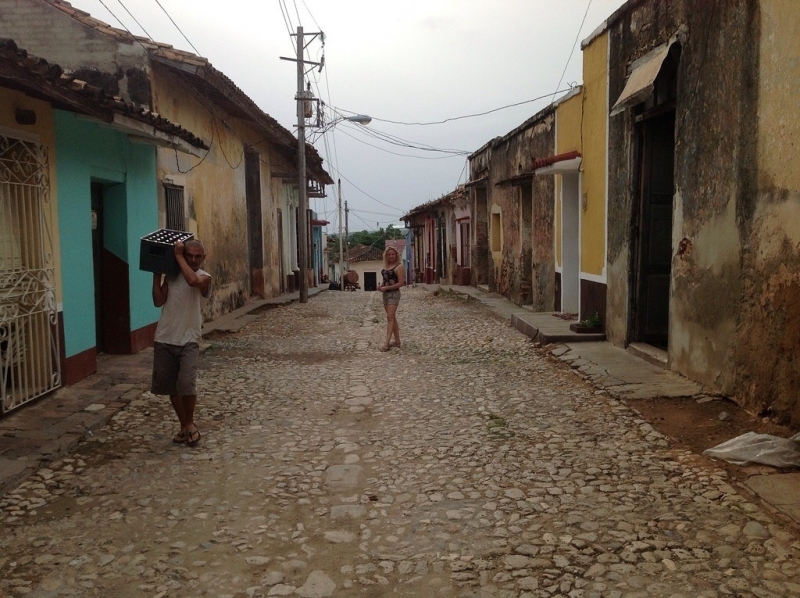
x,y
393,276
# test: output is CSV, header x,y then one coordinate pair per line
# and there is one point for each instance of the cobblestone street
x,y
464,464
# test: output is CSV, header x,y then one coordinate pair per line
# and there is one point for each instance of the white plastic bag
x,y
758,448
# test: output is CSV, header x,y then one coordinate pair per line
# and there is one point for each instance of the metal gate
x,y
29,350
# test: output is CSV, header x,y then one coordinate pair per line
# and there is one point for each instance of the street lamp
x,y
304,97
361,119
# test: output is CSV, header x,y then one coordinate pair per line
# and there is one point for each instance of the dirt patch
x,y
697,426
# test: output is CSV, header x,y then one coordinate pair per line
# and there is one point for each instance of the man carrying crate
x,y
177,342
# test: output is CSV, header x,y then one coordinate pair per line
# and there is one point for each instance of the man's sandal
x,y
179,438
193,437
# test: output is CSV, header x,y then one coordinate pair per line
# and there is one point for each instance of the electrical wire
x,y
178,28
131,16
572,51
403,155
454,118
339,174
286,19
377,213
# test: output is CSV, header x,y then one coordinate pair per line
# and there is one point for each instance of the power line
x,y
446,120
131,16
405,155
572,51
376,213
178,28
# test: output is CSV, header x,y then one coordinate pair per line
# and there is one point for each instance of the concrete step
x,y
649,353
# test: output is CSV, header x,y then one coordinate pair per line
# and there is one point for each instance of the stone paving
x,y
467,463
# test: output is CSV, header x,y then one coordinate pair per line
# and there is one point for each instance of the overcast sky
x,y
415,61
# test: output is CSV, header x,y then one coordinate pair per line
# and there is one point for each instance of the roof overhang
x,y
139,132
481,182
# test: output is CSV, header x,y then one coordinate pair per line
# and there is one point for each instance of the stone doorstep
x,y
650,354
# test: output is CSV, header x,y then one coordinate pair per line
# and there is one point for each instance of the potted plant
x,y
593,323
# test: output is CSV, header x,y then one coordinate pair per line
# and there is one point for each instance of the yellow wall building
x,y
581,189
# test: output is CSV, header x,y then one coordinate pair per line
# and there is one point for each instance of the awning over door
x,y
567,163
643,76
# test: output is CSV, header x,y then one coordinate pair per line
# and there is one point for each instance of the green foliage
x,y
593,321
374,238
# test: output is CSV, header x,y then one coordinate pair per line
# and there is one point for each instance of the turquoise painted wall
x,y
87,152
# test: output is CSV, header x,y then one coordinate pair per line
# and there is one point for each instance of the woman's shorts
x,y
391,297
175,369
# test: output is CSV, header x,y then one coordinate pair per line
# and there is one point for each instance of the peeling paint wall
x,y
479,193
734,308
523,270
214,189
214,186
102,60
714,146
768,335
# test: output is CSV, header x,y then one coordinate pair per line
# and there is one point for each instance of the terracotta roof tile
x,y
364,253
167,52
50,79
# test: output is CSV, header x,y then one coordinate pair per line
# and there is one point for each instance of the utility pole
x,y
346,232
341,255
301,170
302,97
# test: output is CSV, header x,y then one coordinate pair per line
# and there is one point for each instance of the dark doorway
x,y
255,241
281,255
526,236
481,257
441,248
111,273
653,252
370,281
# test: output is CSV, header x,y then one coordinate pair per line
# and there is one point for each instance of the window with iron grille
x,y
176,218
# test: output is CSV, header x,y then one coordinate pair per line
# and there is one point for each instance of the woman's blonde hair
x,y
386,253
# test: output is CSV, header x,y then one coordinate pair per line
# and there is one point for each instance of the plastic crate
x,y
156,253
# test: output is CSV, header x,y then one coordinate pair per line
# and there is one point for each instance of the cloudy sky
x,y
409,65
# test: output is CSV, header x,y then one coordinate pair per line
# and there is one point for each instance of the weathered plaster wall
x,y
714,177
768,337
118,67
271,201
524,269
479,196
214,190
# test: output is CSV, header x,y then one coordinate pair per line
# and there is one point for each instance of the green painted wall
x,y
87,152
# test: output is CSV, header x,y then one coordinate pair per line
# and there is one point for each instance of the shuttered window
x,y
176,217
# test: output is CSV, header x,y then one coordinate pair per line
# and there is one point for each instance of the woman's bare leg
x,y
391,322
